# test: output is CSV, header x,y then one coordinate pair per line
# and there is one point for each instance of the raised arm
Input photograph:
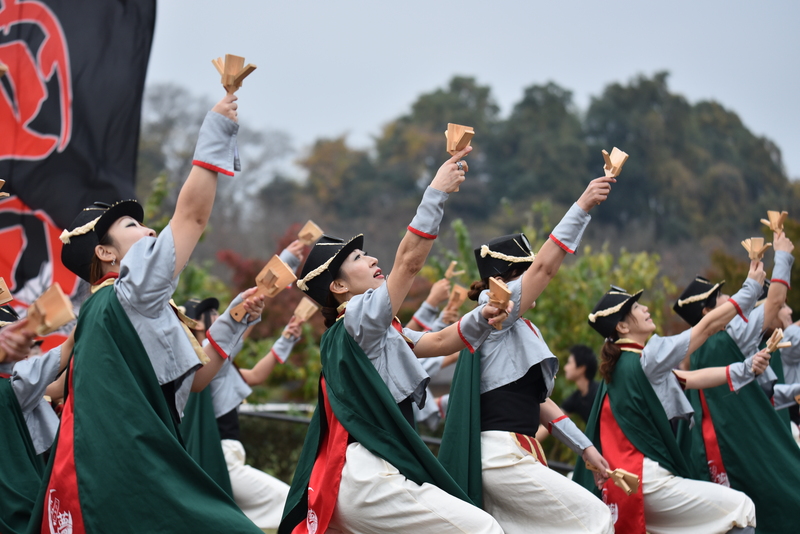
x,y
470,332
736,375
781,278
716,319
215,153
564,239
278,354
418,241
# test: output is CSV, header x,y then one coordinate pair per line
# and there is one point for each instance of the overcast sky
x,y
345,66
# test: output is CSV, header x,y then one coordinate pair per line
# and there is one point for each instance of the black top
x,y
228,425
515,406
407,409
168,390
577,403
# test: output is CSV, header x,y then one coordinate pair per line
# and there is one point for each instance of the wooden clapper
x,y
233,71
305,309
499,295
625,480
614,162
48,313
755,247
451,271
458,138
776,220
273,278
458,295
309,233
776,342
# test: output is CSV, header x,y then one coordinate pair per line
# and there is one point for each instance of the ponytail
x,y
477,288
609,355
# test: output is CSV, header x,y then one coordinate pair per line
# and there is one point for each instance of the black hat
x,y
700,294
194,308
502,253
611,309
88,228
323,263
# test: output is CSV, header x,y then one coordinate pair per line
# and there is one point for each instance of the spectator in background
x,y
581,368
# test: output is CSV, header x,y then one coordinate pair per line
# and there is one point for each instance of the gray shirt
x,y
747,335
790,356
144,288
660,356
369,320
29,380
509,353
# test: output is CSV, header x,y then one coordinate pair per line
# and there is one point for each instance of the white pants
x,y
374,497
527,496
795,432
260,496
675,505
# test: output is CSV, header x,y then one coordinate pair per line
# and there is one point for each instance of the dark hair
x,y
609,355
584,356
477,287
206,316
96,268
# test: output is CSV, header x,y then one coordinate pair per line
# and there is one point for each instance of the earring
x,y
113,262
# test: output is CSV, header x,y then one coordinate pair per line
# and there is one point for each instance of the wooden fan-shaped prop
x,y
458,295
614,162
309,233
755,247
273,278
233,71
775,341
451,271
458,138
2,183
776,220
305,309
625,480
499,295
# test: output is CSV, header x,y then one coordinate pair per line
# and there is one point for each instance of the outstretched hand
x,y
253,304
15,340
757,271
592,456
449,176
227,107
439,292
760,361
596,192
295,327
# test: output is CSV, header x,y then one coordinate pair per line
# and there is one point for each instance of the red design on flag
x,y
29,72
716,469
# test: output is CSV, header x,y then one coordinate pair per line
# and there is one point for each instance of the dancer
x,y
500,395
363,467
639,399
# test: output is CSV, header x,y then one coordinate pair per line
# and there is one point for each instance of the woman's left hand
x,y
592,456
760,361
253,304
496,315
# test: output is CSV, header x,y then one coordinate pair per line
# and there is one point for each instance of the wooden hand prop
x,y
499,295
309,233
451,271
458,295
625,480
48,313
2,183
774,342
458,138
776,220
614,162
273,278
755,247
305,309
5,294
233,71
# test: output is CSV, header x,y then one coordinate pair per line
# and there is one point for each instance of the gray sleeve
x,y
426,315
282,348
740,374
567,432
290,259
216,148
663,354
767,380
473,329
30,378
747,334
568,232
226,334
145,276
784,395
429,214
782,271
791,355
368,317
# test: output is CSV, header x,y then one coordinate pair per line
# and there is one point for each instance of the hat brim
x,y
123,208
355,243
626,308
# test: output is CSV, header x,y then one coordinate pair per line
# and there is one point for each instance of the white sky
x,y
347,66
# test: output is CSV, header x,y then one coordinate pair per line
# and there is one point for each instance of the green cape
x,y
759,454
21,471
201,437
365,408
133,473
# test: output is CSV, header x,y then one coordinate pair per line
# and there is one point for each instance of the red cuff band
x,y
728,376
277,356
562,245
779,281
210,167
469,347
423,325
554,421
216,347
420,233
738,310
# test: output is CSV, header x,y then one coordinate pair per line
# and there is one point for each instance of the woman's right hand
x,y
227,107
15,340
781,242
760,362
294,328
439,292
596,192
757,272
449,177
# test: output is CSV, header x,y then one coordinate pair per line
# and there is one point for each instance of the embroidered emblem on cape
x,y
718,476
60,522
313,522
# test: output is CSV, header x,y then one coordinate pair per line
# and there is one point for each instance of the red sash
x,y
626,510
4,375
323,486
62,507
716,469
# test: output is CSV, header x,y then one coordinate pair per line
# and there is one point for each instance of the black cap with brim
x,y
502,253
88,228
611,309
323,264
700,294
195,307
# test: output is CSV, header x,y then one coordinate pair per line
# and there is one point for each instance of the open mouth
x,y
378,274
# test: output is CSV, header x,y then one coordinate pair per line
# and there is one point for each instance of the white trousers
x,y
260,496
527,496
374,497
675,505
